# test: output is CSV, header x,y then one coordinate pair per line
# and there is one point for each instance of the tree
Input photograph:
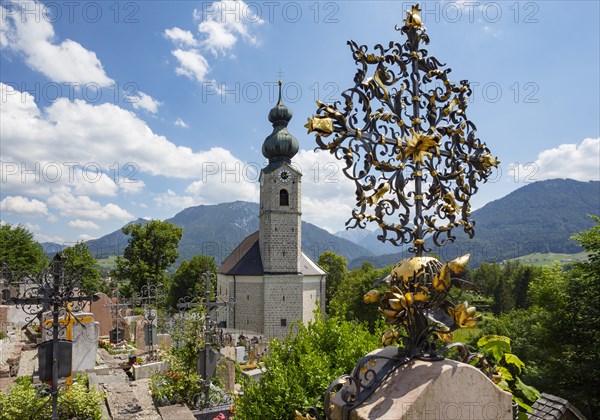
x,y
187,280
559,334
151,249
335,265
82,265
20,252
299,370
348,303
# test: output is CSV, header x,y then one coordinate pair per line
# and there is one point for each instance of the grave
x,y
102,313
84,335
442,389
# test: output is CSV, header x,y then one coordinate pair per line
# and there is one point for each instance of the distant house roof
x,y
551,407
245,260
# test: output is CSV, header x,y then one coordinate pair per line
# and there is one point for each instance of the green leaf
x,y
514,360
521,403
497,347
505,373
488,338
529,392
503,385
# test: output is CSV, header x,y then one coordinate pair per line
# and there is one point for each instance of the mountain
x,y
367,239
538,217
112,244
216,230
51,248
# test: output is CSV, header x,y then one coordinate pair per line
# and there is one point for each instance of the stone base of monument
x,y
420,390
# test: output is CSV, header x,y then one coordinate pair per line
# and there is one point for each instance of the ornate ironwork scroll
x,y
404,138
150,298
58,292
403,135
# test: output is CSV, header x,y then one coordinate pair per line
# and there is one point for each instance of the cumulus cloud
x,y
83,224
76,131
181,37
180,123
141,100
23,206
33,36
84,207
192,64
224,22
576,161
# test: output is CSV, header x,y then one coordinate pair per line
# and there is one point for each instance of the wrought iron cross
x,y
49,292
115,307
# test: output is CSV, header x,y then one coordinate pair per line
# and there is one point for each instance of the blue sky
x,y
112,111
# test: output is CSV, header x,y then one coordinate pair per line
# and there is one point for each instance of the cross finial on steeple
x,y
280,83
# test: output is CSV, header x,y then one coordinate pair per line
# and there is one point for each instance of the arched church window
x,y
284,198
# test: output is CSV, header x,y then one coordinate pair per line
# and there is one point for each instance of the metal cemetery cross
x,y
115,309
51,293
405,141
208,357
148,297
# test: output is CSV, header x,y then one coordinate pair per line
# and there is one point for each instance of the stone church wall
x,y
311,294
249,304
283,301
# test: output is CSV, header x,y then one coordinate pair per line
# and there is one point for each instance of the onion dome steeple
x,y
280,146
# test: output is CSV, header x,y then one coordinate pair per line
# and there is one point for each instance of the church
x,y
272,282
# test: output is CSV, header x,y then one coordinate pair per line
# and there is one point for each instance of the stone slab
x,y
442,390
147,370
179,412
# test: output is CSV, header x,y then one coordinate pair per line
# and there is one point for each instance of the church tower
x,y
273,283
280,213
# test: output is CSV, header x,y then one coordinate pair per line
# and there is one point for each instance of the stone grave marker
x,y
226,373
84,335
102,314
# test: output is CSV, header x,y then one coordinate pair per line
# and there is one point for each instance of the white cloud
x,y
192,64
576,161
83,206
171,199
23,206
181,37
33,36
40,237
180,123
83,224
227,21
85,237
144,101
76,131
32,227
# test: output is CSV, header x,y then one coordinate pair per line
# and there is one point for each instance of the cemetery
x,y
251,339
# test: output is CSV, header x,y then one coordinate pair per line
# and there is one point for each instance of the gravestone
x,y
226,373
84,335
102,314
240,354
419,389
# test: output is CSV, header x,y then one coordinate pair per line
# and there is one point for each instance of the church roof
x,y
245,260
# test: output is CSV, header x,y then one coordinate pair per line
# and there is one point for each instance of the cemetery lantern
x,y
404,139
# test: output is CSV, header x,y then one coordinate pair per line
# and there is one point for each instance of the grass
x,y
108,263
541,260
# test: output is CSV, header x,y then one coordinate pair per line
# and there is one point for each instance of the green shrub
x,y
25,402
299,370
